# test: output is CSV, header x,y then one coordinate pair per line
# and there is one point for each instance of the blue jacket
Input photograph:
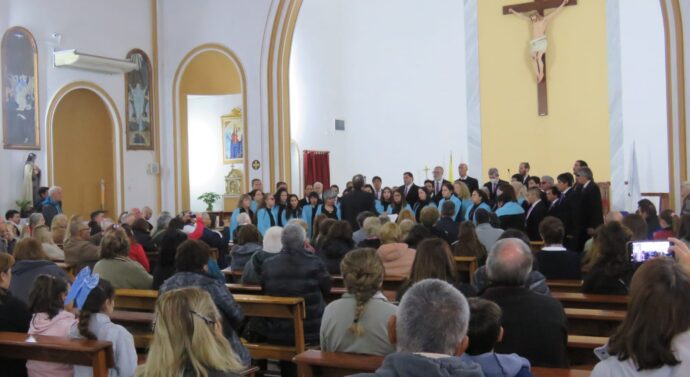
x,y
308,215
263,220
456,201
474,218
379,208
501,365
319,210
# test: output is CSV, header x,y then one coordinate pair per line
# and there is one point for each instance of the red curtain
x,y
317,168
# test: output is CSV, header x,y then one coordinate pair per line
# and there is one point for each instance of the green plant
x,y
209,198
24,207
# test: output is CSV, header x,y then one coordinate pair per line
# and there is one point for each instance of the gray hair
x,y
53,190
547,178
163,220
371,226
293,237
509,262
243,219
493,171
432,317
329,194
587,172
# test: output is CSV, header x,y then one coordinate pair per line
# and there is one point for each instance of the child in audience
x,y
188,338
49,318
95,299
485,331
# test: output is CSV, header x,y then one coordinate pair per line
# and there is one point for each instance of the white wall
x,y
102,27
643,69
394,70
207,171
685,17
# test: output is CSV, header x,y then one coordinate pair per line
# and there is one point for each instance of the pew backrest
x,y
591,301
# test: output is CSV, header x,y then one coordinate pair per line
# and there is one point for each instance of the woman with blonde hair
x,y
35,220
405,214
357,322
43,235
396,256
520,194
59,229
188,338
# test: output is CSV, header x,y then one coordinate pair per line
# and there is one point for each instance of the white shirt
x,y
529,211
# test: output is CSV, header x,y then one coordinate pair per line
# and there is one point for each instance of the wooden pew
x,y
336,292
581,349
591,301
573,286
315,363
93,353
536,245
143,300
467,265
390,282
593,322
138,324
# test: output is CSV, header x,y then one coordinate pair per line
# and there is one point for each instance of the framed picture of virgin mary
x,y
139,103
234,143
19,89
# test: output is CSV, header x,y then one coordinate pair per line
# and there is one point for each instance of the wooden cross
x,y
539,6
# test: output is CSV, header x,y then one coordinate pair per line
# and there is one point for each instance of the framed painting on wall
x,y
139,104
234,142
19,90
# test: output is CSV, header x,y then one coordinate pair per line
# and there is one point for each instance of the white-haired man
x,y
430,333
52,206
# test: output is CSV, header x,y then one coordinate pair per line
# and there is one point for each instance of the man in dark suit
x,y
555,261
569,210
378,189
592,212
409,189
494,183
471,183
356,201
535,214
438,183
523,170
307,190
552,196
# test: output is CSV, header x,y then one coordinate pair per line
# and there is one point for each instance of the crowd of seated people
x,y
292,247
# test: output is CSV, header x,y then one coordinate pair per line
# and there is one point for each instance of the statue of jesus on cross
x,y
539,44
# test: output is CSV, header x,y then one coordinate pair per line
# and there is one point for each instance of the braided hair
x,y
94,304
362,272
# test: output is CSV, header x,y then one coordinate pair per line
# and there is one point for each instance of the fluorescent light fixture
x,y
79,60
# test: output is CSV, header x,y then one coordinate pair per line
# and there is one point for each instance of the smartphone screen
x,y
641,251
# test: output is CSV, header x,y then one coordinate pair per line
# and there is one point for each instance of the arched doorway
x,y
83,153
208,74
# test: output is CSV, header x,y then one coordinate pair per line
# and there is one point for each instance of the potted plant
x,y
25,207
209,198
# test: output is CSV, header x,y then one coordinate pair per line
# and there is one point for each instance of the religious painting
x,y
19,89
139,104
233,137
233,182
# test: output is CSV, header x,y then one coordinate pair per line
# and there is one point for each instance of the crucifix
x,y
538,44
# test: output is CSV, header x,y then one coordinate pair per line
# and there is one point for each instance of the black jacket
x,y
449,228
296,273
559,264
144,239
535,325
600,281
569,211
354,203
412,194
492,192
532,221
471,183
332,252
14,317
592,214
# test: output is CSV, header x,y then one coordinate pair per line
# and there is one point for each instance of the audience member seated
x,y
654,338
405,228
31,262
188,338
484,332
372,226
417,234
140,230
162,224
191,263
434,260
468,243
59,229
94,323
610,271
397,257
647,210
535,325
43,235
214,239
554,260
360,234
358,321
684,228
487,233
79,251
251,274
429,333
429,217
136,251
35,220
121,271
667,220
636,224
14,315
446,224
510,214
95,223
248,242
49,317
335,246
171,239
321,227
7,241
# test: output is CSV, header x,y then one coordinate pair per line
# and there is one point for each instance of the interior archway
x,y
83,133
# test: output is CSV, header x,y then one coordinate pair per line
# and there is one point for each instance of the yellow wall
x,y
577,125
209,73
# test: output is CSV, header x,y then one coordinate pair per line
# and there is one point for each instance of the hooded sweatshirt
x,y
58,326
404,364
25,272
243,253
501,365
397,259
610,366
